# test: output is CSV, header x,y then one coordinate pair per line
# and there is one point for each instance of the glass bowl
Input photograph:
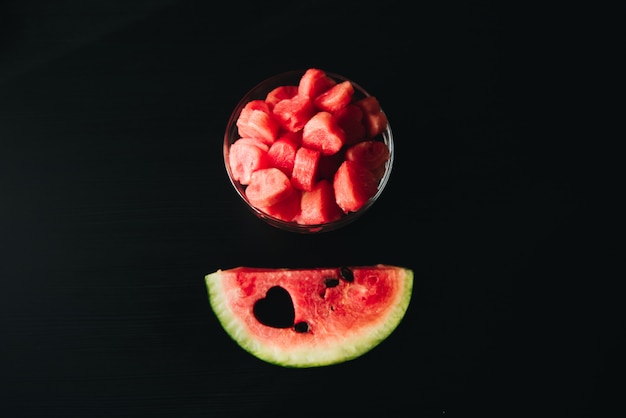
x,y
260,91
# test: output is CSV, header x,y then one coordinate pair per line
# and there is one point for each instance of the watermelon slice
x,y
310,317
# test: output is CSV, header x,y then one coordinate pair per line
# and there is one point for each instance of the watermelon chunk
x,y
354,185
305,167
350,119
318,206
282,154
256,121
322,133
267,187
292,114
314,82
287,209
371,154
310,317
280,93
335,98
374,119
245,157
254,141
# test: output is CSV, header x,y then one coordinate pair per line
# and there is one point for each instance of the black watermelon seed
x,y
331,282
301,327
346,274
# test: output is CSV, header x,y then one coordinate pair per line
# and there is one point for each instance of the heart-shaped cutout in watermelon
x,y
275,309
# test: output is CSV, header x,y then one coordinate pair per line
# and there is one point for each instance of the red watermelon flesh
x,y
371,154
310,317
256,121
280,93
322,133
350,119
318,206
305,167
314,82
267,187
335,98
254,141
375,123
286,209
282,154
369,104
374,119
354,185
245,158
292,114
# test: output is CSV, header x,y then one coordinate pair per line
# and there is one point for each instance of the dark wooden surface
x,y
115,204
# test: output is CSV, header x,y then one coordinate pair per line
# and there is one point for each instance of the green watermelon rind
x,y
349,349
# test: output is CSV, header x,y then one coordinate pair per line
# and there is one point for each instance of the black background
x,y
115,204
